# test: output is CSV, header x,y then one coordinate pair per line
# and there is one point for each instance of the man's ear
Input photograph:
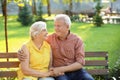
x,y
68,27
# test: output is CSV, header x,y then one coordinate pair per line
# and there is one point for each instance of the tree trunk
x,y
70,8
3,7
5,23
48,8
34,7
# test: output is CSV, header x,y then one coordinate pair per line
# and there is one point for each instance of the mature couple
x,y
59,56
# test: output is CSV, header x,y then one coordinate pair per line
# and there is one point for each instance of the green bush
x,y
99,77
97,19
40,13
75,18
24,16
115,71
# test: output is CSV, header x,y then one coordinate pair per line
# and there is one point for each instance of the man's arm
x,y
21,55
79,59
73,67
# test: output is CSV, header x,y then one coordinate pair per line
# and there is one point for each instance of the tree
x,y
24,15
97,19
34,7
69,12
47,3
40,13
111,3
70,4
3,6
48,8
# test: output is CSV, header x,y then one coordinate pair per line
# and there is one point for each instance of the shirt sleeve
x,y
79,52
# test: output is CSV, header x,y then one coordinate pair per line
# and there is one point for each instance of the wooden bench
x,y
96,64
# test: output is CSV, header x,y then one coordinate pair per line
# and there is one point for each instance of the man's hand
x,y
57,71
21,55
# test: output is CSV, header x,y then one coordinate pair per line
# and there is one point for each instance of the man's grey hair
x,y
65,17
36,28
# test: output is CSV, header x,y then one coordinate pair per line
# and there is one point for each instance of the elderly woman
x,y
38,55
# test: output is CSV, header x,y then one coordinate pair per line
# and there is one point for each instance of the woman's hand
x,y
57,71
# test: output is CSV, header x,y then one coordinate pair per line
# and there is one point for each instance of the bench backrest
x,y
9,63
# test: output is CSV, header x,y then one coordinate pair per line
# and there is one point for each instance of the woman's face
x,y
43,34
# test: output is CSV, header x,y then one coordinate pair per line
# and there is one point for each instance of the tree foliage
x,y
40,13
25,16
97,19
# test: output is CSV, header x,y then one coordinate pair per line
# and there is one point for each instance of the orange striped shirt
x,y
68,51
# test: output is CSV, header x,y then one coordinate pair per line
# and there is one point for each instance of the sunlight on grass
x,y
14,44
86,26
0,15
18,43
49,17
10,19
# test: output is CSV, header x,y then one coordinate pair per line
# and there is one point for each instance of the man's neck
x,y
65,36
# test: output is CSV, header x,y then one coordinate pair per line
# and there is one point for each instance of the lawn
x,y
105,38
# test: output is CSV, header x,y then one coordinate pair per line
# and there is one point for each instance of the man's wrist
x,y
64,69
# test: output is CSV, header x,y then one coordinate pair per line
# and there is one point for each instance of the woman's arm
x,y
26,67
50,64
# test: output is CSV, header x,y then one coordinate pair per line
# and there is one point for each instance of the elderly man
x,y
68,51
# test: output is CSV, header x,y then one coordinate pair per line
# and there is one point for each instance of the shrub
x,y
74,18
40,13
115,71
24,16
97,19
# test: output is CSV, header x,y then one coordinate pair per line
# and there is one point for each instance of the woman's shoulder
x,y
46,43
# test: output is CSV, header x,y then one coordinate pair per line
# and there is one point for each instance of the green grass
x,y
105,38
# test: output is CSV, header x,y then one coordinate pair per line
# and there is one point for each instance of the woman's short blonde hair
x,y
36,28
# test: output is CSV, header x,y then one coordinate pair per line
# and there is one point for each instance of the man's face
x,y
61,28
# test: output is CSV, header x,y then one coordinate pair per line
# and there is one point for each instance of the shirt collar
x,y
66,37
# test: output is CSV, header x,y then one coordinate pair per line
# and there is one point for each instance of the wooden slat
x,y
98,71
96,54
8,52
8,74
9,64
96,63
8,55
90,63
87,54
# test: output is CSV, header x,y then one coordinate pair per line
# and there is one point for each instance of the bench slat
x,y
96,63
87,63
87,54
98,71
96,54
8,55
9,64
8,74
91,71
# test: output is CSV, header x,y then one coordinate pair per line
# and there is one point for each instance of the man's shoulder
x,y
51,35
75,36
